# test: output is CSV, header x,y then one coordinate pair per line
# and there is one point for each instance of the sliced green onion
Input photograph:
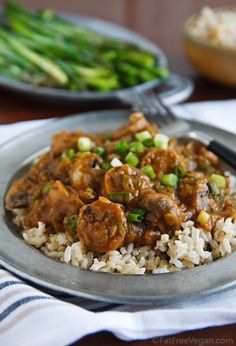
x,y
169,180
116,162
119,197
135,217
71,154
136,147
217,179
122,147
141,136
180,171
148,142
132,159
106,166
149,171
100,151
84,144
47,187
161,141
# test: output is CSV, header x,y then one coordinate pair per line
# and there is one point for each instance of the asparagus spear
x,y
44,64
58,45
34,76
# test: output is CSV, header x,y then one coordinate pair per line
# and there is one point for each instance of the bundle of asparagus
x,y
43,49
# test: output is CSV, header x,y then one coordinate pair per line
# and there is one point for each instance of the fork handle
x,y
225,153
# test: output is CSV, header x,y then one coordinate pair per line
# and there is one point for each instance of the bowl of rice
x,y
210,43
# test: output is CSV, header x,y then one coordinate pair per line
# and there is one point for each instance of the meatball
x,y
57,169
52,207
137,122
39,169
86,175
19,194
102,225
64,141
47,168
204,158
142,234
162,211
193,191
163,161
125,179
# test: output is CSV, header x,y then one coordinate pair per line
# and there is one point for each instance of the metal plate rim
x,y
117,283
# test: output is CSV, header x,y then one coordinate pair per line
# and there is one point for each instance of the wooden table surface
x,y
162,22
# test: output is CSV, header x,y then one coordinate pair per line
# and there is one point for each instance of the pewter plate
x,y
178,85
30,264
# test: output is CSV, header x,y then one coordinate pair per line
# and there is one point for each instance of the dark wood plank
x,y
210,336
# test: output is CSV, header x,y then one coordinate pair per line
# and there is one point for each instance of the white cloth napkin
x,y
31,317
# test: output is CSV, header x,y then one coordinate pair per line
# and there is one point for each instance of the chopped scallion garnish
x,y
170,180
136,147
132,159
134,217
122,147
71,154
161,141
149,171
106,166
149,142
137,215
100,151
217,179
141,136
84,144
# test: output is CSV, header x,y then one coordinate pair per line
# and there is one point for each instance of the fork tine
x,y
167,109
151,108
159,112
147,109
144,99
150,104
164,110
135,102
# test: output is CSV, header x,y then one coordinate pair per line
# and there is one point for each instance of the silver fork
x,y
153,106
